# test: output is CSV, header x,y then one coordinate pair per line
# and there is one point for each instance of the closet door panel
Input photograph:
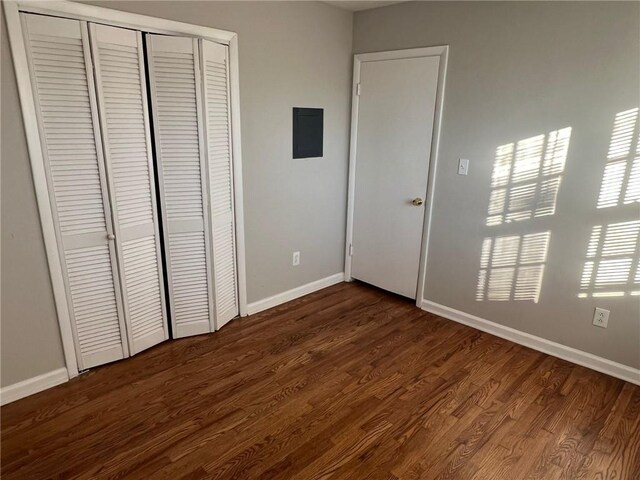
x,y
176,106
60,66
219,158
122,101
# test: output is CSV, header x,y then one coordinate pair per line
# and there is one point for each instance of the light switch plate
x,y
463,166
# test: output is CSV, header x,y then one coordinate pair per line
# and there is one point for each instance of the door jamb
x,y
439,51
117,18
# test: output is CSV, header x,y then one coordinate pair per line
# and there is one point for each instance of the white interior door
x,y
215,72
122,102
394,132
61,74
176,97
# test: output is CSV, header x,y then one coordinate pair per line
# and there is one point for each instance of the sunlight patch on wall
x,y
612,268
525,182
512,267
621,179
526,177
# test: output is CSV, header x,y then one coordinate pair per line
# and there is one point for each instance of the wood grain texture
x,y
346,383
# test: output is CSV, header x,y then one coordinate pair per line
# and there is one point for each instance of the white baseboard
x,y
33,385
294,293
573,355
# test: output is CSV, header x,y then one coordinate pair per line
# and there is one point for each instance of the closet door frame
x,y
116,18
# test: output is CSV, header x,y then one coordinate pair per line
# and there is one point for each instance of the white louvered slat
x,y
121,87
58,55
189,280
144,295
93,298
219,157
175,94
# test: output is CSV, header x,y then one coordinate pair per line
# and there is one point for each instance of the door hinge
x,y
358,89
351,249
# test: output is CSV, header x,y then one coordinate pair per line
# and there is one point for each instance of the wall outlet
x,y
296,259
601,318
463,166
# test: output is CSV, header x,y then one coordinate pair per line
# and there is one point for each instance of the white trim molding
x,y
33,385
294,293
573,355
29,118
117,18
441,51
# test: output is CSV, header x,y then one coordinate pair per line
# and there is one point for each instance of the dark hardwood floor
x,y
346,383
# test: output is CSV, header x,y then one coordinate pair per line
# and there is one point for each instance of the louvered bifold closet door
x,y
177,116
124,115
215,71
60,66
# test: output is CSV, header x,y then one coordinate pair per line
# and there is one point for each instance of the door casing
x,y
443,52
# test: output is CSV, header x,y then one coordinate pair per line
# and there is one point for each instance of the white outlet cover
x,y
601,317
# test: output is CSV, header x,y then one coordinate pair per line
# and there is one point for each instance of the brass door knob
x,y
417,201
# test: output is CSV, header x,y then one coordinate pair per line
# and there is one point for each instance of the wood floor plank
x,y
346,383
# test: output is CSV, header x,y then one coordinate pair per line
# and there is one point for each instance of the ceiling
x,y
358,5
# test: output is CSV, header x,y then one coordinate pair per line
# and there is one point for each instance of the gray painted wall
x,y
291,54
518,70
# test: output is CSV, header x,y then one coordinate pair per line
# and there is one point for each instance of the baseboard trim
x,y
294,293
19,390
573,355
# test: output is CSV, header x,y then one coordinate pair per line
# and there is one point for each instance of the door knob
x,y
417,201
111,236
